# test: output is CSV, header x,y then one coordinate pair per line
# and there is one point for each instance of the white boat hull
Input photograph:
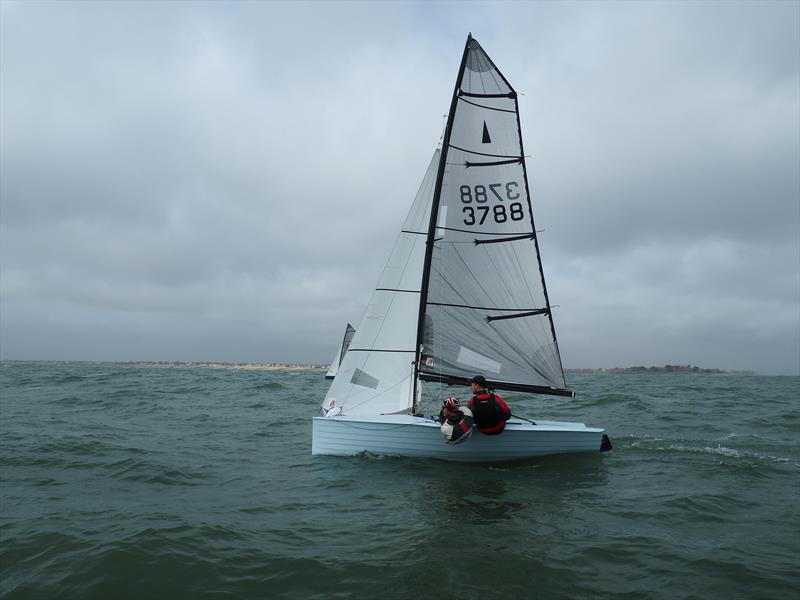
x,y
404,435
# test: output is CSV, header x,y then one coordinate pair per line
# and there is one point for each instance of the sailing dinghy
x,y
340,352
463,293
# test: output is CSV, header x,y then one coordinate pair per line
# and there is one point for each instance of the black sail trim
x,y
380,350
525,236
483,153
486,107
537,310
499,385
468,164
396,290
532,313
480,232
511,94
414,232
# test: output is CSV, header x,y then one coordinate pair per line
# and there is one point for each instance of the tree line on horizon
x,y
643,369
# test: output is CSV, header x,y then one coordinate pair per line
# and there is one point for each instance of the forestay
x,y
377,372
486,308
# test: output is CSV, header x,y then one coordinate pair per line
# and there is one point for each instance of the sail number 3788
x,y
481,194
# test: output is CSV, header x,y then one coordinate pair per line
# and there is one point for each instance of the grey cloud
x,y
224,181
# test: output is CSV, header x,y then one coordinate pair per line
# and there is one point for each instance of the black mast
x,y
437,194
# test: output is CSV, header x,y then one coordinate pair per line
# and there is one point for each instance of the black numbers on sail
x,y
481,194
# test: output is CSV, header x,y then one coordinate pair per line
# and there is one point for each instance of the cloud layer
x,y
223,181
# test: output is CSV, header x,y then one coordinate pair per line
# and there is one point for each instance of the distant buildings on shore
x,y
664,369
274,366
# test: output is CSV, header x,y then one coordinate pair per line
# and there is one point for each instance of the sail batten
x,y
488,307
517,156
470,95
462,99
513,238
496,163
530,313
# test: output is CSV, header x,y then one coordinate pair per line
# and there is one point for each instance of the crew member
x,y
489,410
456,421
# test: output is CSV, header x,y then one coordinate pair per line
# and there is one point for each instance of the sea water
x,y
129,481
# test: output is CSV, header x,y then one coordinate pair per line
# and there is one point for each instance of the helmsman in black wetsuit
x,y
489,410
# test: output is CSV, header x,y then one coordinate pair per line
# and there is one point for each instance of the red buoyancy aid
x,y
490,413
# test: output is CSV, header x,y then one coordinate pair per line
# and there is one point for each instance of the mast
x,y
437,193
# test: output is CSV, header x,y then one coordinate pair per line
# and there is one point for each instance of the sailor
x,y
489,410
456,421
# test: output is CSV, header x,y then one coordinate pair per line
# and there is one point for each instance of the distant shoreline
x,y
665,369
179,364
283,366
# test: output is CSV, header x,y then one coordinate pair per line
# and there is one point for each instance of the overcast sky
x,y
224,182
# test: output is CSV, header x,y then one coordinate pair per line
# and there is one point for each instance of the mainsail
x,y
377,373
484,305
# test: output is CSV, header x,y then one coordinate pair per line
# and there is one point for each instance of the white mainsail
x,y
376,375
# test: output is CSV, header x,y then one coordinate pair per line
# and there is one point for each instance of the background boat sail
x,y
349,332
463,293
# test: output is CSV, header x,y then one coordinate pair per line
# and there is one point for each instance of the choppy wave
x,y
168,483
268,385
660,445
